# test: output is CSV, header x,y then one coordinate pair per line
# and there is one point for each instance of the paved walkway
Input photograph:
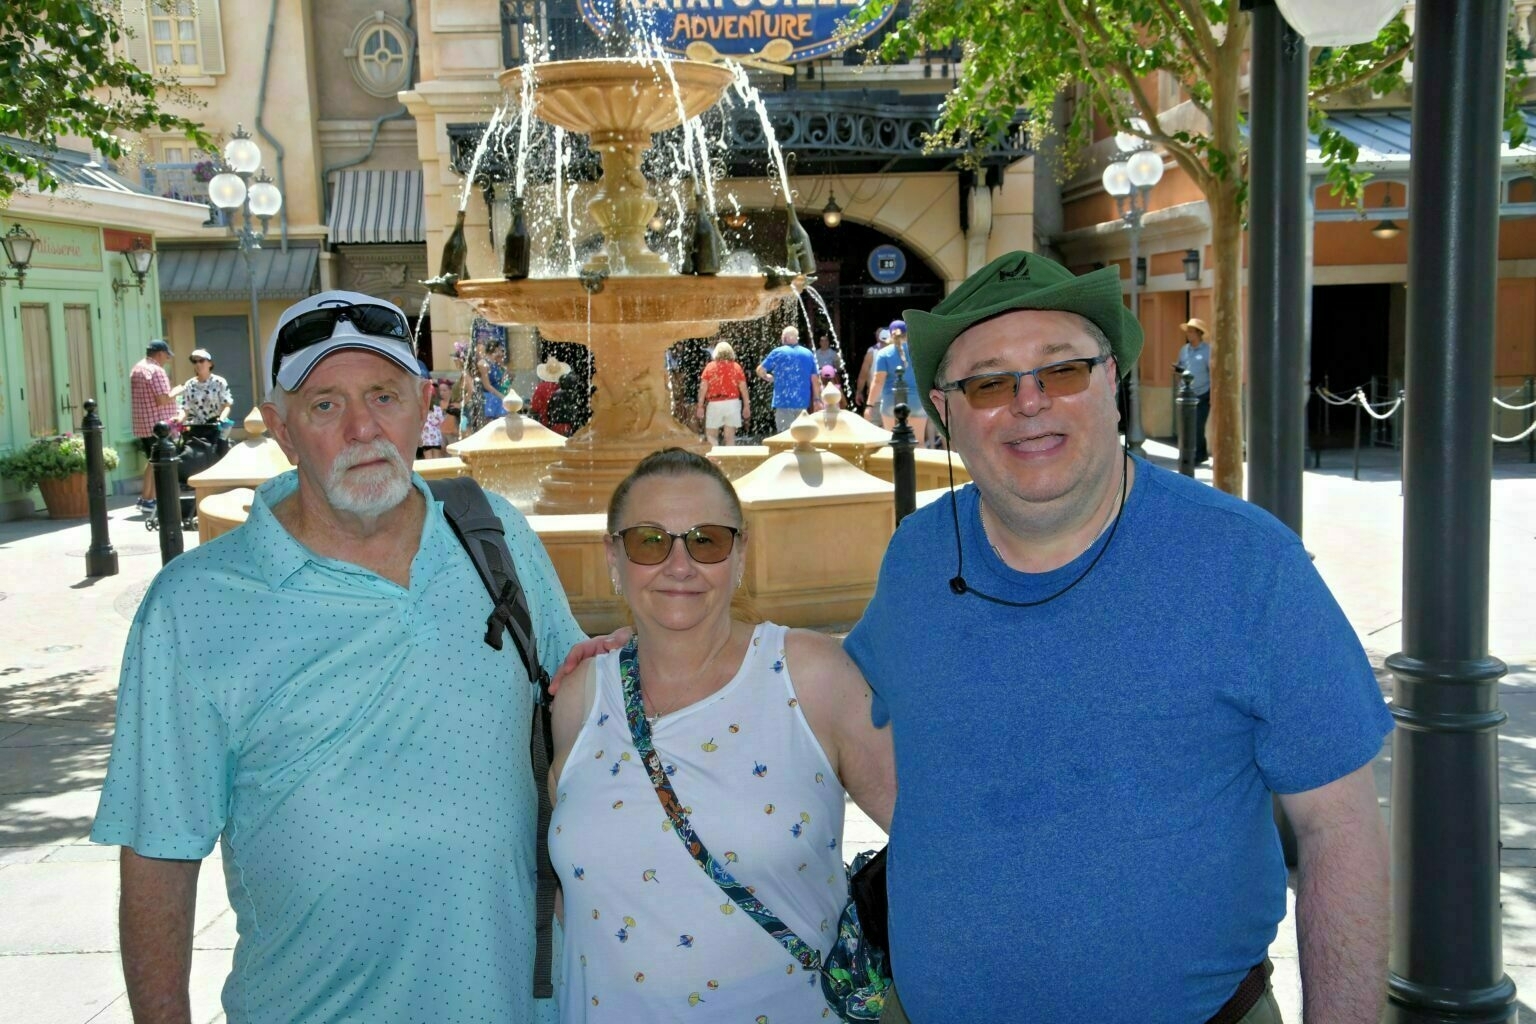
x,y
62,638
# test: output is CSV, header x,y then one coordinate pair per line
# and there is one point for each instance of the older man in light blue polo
x,y
312,691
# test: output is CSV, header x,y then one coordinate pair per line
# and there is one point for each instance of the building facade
x,y
79,318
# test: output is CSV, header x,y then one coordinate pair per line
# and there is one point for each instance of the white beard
x,y
373,491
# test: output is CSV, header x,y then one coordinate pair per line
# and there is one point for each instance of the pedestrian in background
x,y
791,368
205,397
1195,356
149,388
724,401
892,364
871,409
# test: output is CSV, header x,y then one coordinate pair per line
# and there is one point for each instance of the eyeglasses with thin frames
x,y
707,543
1001,387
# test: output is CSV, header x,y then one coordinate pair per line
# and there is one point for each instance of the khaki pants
x,y
1265,1011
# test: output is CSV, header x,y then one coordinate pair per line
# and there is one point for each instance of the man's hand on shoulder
x,y
589,649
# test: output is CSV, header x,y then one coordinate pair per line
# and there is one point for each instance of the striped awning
x,y
375,206
204,274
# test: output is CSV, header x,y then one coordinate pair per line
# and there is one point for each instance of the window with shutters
x,y
173,38
183,38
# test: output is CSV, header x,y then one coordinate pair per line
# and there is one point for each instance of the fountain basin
x,y
602,95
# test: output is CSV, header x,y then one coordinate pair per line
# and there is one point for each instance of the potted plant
x,y
57,466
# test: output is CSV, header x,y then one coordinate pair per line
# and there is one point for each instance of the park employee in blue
x,y
312,691
1088,740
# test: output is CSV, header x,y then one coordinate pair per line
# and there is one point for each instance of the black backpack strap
x,y
480,530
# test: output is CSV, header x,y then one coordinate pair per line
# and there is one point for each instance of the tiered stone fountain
x,y
817,499
628,306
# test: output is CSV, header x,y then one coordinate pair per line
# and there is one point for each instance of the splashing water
x,y
837,345
491,130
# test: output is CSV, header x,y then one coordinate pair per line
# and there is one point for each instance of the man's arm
x,y
155,916
762,373
1341,899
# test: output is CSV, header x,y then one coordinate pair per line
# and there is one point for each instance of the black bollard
x,y
1358,399
167,493
1187,405
904,463
100,558
1530,417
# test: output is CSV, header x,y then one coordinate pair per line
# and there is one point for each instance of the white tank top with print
x,y
648,936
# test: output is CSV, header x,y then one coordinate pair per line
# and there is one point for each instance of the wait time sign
x,y
738,28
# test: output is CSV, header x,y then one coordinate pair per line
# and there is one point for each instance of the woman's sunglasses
x,y
318,325
707,544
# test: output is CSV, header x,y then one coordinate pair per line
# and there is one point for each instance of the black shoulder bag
x,y
479,529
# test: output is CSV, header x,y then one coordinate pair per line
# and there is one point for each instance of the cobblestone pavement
x,y
61,636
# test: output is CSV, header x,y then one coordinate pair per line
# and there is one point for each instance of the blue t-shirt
x,y
1083,827
361,754
886,362
793,368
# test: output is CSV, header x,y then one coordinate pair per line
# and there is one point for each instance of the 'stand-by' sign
x,y
741,27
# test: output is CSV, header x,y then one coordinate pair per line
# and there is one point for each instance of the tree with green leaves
x,y
1110,57
63,74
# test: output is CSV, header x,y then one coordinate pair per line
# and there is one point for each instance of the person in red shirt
x,y
724,403
549,373
150,388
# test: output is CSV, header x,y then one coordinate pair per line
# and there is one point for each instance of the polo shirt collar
x,y
275,552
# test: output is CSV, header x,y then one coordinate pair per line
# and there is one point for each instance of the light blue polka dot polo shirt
x,y
363,756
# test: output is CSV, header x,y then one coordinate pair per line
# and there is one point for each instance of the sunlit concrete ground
x,y
61,638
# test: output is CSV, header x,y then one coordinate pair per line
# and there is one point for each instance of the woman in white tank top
x,y
760,730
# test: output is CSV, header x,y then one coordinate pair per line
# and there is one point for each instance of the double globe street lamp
x,y
1130,179
233,190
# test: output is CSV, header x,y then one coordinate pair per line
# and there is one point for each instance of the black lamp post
x,y
1130,181
235,191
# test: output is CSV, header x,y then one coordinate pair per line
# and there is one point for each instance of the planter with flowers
x,y
57,466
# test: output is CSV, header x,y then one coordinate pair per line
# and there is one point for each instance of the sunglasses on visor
x,y
318,325
706,544
1055,380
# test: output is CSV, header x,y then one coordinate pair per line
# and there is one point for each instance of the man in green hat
x,y
1088,740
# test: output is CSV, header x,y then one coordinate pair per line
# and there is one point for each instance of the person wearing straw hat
x,y
549,372
1195,356
1089,740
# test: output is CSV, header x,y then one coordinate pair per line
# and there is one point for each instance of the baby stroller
x,y
202,445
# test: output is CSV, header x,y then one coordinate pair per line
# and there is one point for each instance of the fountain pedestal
x,y
628,324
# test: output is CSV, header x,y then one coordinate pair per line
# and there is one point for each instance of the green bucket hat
x,y
1020,280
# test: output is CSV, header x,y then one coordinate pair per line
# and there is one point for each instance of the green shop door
x,y
58,341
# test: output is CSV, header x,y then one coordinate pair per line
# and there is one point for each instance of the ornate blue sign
x,y
744,28
887,264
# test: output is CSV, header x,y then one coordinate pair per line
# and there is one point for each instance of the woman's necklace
x,y
647,700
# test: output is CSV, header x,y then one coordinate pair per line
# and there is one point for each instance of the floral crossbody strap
x,y
640,731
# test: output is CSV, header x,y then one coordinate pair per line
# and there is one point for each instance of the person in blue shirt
x,y
893,363
1090,735
1195,356
284,694
791,368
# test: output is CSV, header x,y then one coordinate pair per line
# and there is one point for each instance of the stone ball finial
x,y
513,402
832,398
254,425
804,430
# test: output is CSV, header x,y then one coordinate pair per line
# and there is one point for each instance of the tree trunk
x,y
1221,195
1226,427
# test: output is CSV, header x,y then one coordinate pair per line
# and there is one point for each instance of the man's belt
x,y
1248,993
